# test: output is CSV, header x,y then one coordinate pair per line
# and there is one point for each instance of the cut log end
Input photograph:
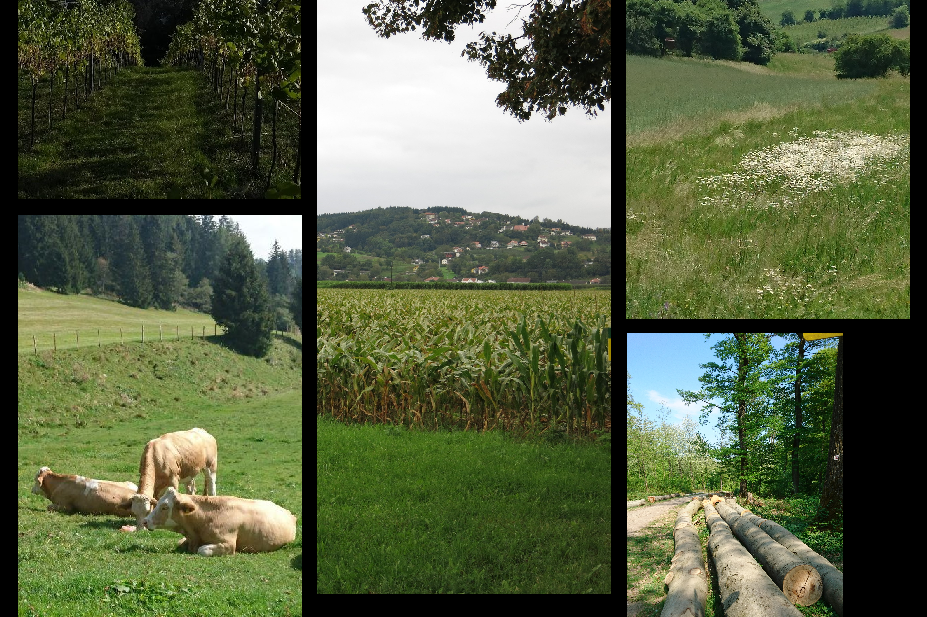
x,y
803,585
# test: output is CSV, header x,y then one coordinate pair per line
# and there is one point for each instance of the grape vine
x,y
254,46
89,39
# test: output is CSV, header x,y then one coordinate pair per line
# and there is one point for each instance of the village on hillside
x,y
513,252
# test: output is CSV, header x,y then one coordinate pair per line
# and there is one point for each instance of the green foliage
x,y
901,18
871,56
567,60
756,34
724,31
241,302
458,363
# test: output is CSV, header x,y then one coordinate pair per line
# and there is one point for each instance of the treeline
x,y
724,30
447,286
666,458
145,261
737,30
777,410
897,9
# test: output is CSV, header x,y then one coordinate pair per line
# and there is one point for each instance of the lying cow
x,y
69,493
173,459
223,525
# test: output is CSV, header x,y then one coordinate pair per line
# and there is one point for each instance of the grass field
x,y
90,411
69,321
765,192
409,511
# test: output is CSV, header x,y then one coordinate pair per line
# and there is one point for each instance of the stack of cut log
x,y
791,573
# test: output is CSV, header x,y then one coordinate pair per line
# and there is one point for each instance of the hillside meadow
x,y
65,321
90,411
766,192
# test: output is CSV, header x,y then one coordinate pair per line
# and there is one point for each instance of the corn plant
x,y
473,360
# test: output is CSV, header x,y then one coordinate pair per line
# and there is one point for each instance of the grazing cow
x,y
69,493
172,459
223,525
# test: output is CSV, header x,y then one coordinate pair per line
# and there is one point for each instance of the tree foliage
x,y
762,440
241,303
872,56
731,30
563,58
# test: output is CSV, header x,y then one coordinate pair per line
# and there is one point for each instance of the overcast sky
x,y
262,229
409,122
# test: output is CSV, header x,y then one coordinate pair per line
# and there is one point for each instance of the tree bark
x,y
832,496
798,580
831,576
687,582
746,591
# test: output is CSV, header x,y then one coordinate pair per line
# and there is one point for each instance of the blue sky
x,y
660,364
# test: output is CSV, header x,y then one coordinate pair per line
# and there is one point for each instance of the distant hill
x,y
452,242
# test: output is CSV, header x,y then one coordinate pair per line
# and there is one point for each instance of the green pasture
x,y
409,511
674,96
91,411
68,321
705,239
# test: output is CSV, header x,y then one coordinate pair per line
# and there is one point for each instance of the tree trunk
x,y
832,496
746,591
832,577
800,582
686,581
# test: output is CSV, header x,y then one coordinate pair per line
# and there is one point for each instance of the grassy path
x,y
149,133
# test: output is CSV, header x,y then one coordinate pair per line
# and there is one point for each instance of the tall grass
x,y
480,360
800,212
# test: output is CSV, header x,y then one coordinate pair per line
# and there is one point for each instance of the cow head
x,y
162,516
37,487
140,505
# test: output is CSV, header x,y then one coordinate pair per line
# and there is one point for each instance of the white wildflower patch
x,y
808,164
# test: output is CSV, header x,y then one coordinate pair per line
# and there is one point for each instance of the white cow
x,y
70,493
172,459
223,525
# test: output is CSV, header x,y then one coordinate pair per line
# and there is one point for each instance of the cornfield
x,y
475,360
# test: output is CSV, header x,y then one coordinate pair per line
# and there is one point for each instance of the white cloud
x,y
679,407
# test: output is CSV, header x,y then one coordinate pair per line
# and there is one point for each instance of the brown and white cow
x,y
70,493
173,459
223,525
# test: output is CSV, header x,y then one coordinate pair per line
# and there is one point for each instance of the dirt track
x,y
639,518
